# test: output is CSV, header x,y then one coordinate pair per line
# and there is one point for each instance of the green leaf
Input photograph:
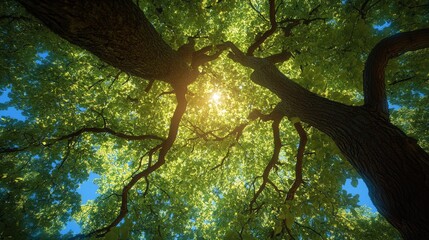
x,y
278,228
354,182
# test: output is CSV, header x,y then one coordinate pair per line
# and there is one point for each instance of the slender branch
x,y
256,10
13,149
67,154
50,142
311,229
373,75
267,33
238,130
222,162
109,131
401,80
280,192
274,159
149,85
165,146
299,159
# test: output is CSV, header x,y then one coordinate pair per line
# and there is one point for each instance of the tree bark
x,y
394,167
116,31
373,75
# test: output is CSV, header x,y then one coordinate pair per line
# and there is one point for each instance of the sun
x,y
216,98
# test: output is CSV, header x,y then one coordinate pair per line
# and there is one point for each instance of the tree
x,y
188,147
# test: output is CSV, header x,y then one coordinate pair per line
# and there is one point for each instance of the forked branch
x,y
164,147
373,75
274,159
261,39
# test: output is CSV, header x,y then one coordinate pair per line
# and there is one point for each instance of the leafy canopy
x,y
83,116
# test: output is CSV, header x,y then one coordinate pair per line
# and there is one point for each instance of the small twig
x,y
149,85
258,12
311,229
224,158
401,80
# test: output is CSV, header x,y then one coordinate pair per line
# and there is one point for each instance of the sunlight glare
x,y
216,97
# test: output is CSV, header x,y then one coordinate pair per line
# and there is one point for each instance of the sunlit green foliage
x,y
204,189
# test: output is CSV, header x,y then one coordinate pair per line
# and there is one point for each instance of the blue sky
x,y
88,192
88,189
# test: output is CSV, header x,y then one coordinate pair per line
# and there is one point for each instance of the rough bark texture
x,y
373,75
116,31
395,168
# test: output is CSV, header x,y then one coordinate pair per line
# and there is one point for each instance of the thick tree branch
x,y
200,57
373,75
116,31
279,57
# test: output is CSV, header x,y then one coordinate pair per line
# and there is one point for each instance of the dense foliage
x,y
82,116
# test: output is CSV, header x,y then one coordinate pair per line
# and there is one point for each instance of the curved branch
x,y
266,34
299,159
373,75
224,158
274,159
164,147
257,11
311,229
50,142
109,131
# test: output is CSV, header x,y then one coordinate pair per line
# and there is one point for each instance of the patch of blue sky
x,y
71,226
41,56
9,111
380,27
88,191
362,190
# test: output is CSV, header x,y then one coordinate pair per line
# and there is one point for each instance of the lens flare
x,y
216,97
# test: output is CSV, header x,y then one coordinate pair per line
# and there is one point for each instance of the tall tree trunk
x,y
394,167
